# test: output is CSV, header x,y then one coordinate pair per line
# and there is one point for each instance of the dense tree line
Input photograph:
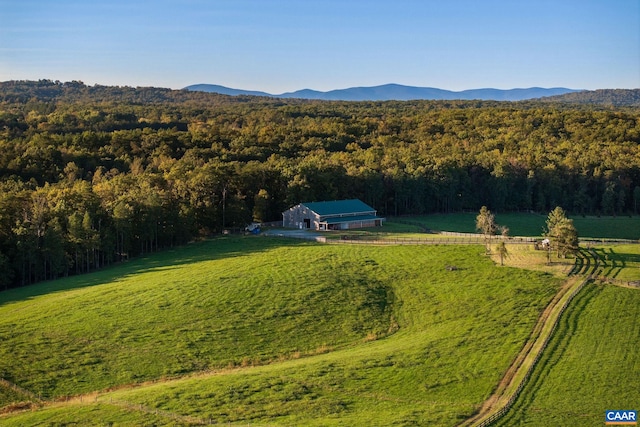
x,y
605,97
93,175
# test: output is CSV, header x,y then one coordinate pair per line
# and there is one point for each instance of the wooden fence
x,y
618,282
454,239
499,414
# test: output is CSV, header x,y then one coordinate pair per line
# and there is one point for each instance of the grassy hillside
x,y
224,303
272,332
591,363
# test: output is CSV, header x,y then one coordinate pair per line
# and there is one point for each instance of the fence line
x,y
590,242
417,241
611,281
499,414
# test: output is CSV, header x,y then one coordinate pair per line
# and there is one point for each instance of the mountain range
x,y
395,92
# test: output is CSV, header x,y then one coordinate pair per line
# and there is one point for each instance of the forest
x,y
92,175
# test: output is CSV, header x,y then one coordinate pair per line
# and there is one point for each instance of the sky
x,y
279,46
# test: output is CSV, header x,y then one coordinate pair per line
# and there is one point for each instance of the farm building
x,y
333,215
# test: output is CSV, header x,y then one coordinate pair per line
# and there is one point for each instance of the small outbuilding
x,y
331,215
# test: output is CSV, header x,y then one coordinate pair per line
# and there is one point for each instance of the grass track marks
x,y
592,364
518,372
556,348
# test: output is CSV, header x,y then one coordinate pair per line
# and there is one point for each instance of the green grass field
x,y
267,331
521,224
620,262
590,366
161,318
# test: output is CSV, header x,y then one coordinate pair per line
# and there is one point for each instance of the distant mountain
x,y
613,97
397,93
224,90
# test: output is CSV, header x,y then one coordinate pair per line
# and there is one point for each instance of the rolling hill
x,y
396,92
609,97
247,330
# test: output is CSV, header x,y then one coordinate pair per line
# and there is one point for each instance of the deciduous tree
x,y
486,224
502,251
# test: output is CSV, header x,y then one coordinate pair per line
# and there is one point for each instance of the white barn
x,y
331,215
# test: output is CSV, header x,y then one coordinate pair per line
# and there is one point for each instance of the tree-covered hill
x,y
605,97
90,175
23,91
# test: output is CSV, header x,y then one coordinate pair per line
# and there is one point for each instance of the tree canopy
x,y
93,174
486,224
561,232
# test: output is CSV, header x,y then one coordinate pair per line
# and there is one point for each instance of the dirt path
x,y
514,379
492,409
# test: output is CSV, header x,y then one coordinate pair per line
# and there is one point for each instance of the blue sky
x,y
285,45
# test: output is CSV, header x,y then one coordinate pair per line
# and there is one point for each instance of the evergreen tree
x,y
561,232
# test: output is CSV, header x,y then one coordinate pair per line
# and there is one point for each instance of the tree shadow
x,y
559,343
617,263
207,250
614,262
625,257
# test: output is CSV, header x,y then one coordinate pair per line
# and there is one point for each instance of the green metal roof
x,y
338,207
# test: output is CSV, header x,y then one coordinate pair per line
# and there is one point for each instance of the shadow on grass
x,y
208,250
559,343
614,262
624,257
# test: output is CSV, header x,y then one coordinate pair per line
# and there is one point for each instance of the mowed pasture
x,y
267,331
531,224
591,364
619,263
223,303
